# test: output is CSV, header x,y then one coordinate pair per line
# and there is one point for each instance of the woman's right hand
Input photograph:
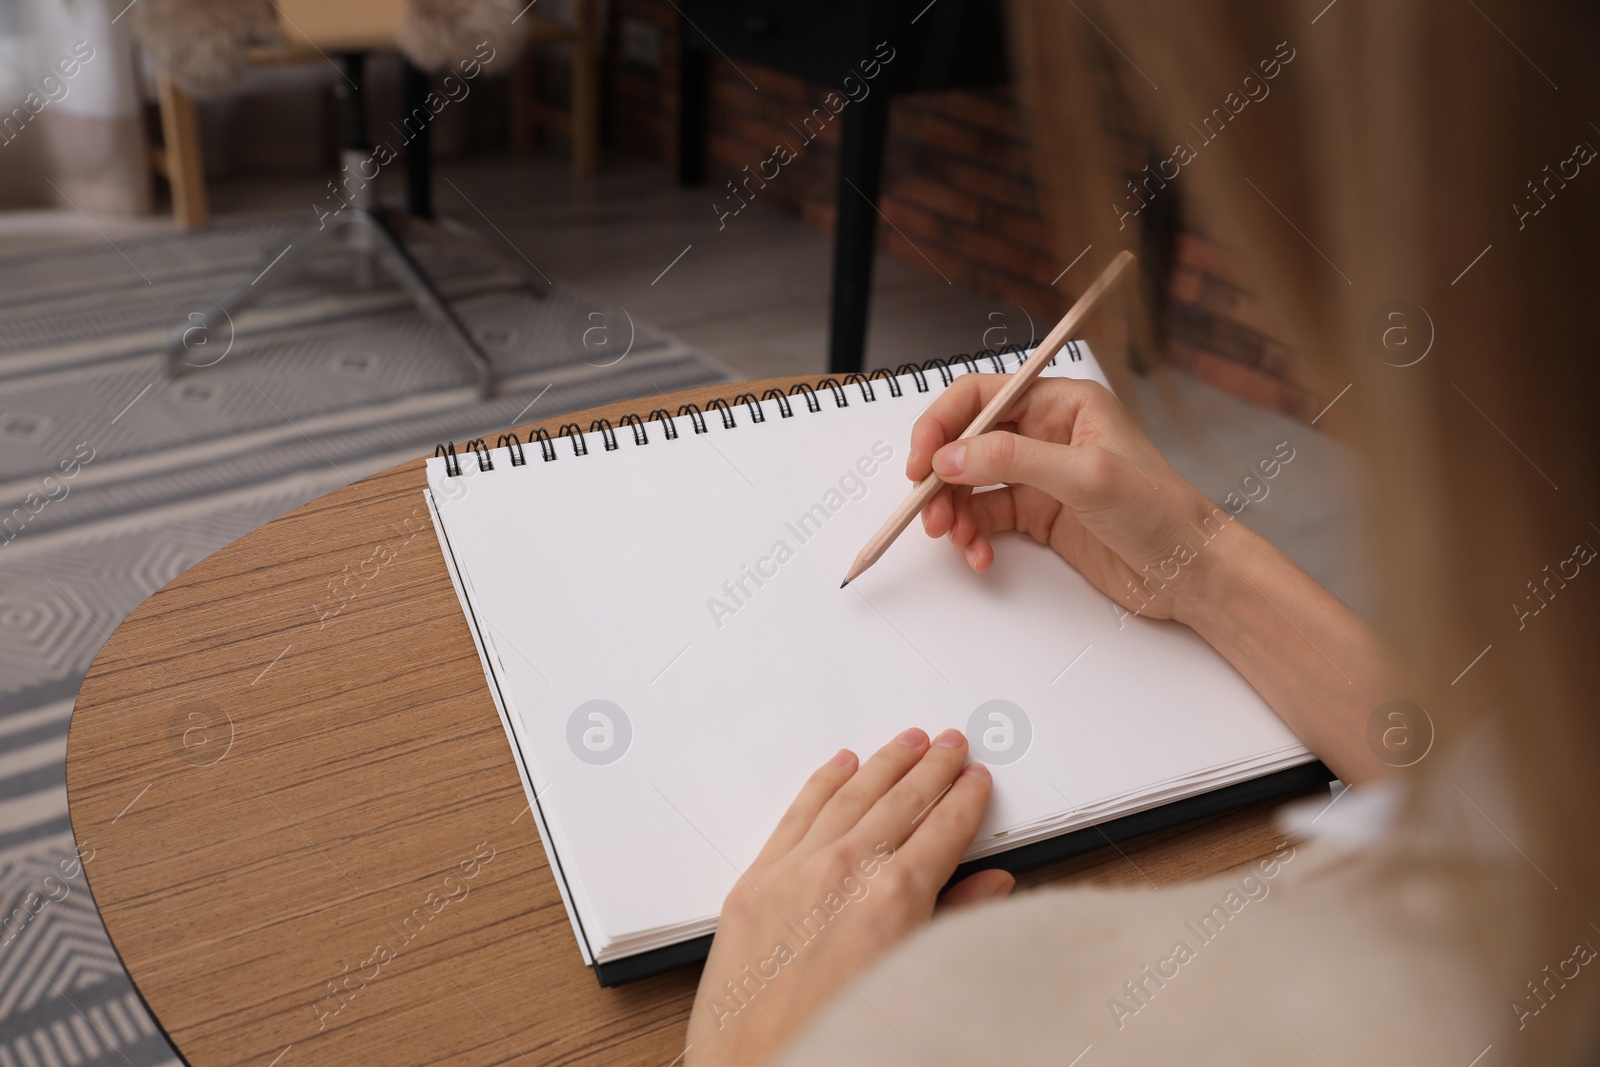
x,y
1078,475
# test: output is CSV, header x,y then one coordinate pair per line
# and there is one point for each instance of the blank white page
x,y
625,576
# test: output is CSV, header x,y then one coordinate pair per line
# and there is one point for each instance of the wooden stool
x,y
179,158
311,31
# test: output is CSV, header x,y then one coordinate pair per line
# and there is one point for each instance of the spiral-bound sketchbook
x,y
657,607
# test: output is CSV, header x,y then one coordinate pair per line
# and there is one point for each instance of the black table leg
x,y
860,168
691,110
419,155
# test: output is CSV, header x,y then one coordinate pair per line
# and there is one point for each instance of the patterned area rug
x,y
115,478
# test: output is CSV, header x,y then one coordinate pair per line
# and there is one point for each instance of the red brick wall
x,y
958,189
956,176
1220,332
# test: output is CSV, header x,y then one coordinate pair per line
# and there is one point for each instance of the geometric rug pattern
x,y
115,477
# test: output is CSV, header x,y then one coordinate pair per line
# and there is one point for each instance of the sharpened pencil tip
x,y
844,583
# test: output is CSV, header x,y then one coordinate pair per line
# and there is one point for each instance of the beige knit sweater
x,y
1378,940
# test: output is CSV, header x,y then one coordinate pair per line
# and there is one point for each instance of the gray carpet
x,y
324,382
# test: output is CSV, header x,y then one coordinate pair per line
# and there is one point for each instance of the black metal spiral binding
x,y
513,446
633,422
726,409
572,430
785,410
813,405
608,436
833,386
696,419
720,406
918,374
856,378
749,401
547,447
663,416
452,462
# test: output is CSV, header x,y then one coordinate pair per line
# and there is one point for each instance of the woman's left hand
x,y
854,866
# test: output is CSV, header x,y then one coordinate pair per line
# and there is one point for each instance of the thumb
x,y
1082,477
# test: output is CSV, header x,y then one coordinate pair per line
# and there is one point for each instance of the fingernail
x,y
913,738
841,757
970,553
951,739
952,459
976,769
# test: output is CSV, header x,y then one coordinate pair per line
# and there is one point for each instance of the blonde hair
x,y
1417,152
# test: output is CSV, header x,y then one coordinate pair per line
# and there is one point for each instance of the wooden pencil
x,y
1020,380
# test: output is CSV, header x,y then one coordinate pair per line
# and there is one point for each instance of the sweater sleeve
x,y
1321,957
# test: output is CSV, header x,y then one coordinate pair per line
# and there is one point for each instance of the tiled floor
x,y
754,295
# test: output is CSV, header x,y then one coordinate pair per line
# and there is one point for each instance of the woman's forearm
x,y
1323,670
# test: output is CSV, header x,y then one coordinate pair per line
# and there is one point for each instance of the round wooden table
x,y
310,843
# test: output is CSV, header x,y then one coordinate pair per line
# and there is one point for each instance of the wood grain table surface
x,y
310,843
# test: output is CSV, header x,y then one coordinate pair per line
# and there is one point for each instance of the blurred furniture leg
x,y
691,109
585,90
180,159
419,150
581,123
961,44
418,221
865,127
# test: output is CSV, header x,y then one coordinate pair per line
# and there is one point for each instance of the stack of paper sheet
x,y
662,626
